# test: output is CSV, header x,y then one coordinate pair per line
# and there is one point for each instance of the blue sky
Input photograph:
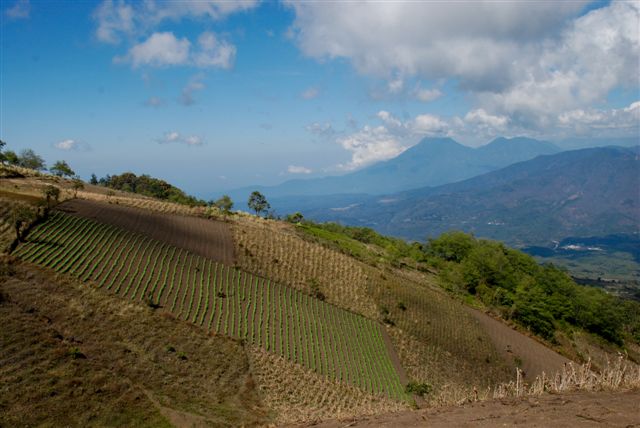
x,y
213,95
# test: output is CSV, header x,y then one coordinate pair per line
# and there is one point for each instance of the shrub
x,y
420,389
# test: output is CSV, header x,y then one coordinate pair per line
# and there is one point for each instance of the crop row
x,y
318,335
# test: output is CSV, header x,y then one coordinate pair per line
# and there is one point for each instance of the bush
x,y
420,389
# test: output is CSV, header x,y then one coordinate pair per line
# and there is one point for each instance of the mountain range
x,y
432,162
588,192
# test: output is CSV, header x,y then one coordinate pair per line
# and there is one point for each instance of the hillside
x,y
320,332
581,193
432,162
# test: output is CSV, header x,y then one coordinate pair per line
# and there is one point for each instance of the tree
x,y
11,157
51,193
224,204
296,217
2,156
93,180
62,169
29,159
77,184
258,202
22,215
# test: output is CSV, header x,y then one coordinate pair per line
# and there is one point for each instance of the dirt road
x,y
579,409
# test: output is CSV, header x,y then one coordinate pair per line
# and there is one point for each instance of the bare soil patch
x,y
530,355
583,409
208,238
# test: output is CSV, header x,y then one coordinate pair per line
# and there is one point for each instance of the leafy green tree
x,y
11,158
224,204
62,169
77,184
22,215
93,180
451,246
258,202
2,156
29,159
296,217
51,193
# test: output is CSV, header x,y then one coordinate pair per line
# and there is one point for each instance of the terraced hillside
x,y
208,238
437,340
315,334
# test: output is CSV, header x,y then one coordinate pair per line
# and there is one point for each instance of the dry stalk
x,y
617,375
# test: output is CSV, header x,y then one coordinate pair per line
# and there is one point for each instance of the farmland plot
x,y
322,337
208,238
437,339
290,260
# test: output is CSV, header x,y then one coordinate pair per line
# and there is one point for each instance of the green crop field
x,y
320,336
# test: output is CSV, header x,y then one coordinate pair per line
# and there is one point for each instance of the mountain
x,y
432,162
588,192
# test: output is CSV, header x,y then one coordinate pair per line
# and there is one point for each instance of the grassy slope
x,y
447,349
334,342
437,340
125,371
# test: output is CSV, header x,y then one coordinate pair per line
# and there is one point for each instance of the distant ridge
x,y
432,162
587,192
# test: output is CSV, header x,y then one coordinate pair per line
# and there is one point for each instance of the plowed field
x,y
208,238
317,335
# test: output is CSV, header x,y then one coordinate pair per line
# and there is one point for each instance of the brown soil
x,y
530,355
208,238
73,355
583,409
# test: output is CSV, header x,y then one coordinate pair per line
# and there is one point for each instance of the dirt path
x,y
394,356
208,238
532,356
583,409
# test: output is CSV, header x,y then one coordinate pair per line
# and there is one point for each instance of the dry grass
x,y
272,250
72,355
295,394
616,375
438,342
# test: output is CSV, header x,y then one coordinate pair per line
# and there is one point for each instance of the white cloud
x,y
523,64
426,95
370,145
171,137
165,49
473,40
20,10
160,49
137,21
176,137
320,129
69,144
213,52
310,93
596,122
428,124
293,169
395,86
193,140
119,18
481,117
423,124
114,19
195,84
596,53
389,119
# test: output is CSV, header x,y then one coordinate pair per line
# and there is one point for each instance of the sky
x,y
216,95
